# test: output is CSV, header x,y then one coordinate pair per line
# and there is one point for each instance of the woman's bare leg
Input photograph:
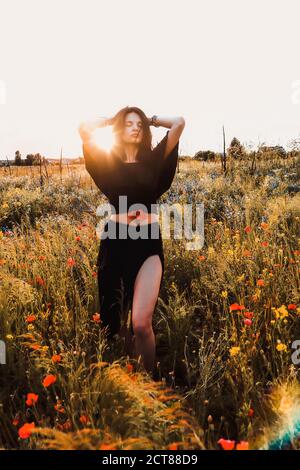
x,y
146,290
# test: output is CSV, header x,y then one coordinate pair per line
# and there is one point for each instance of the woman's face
x,y
133,131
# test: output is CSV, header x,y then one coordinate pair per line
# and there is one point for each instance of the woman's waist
x,y
136,217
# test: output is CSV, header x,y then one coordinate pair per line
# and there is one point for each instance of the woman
x,y
130,269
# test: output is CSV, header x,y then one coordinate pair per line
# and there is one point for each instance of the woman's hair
x,y
118,127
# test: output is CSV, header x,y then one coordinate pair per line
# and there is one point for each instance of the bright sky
x,y
214,62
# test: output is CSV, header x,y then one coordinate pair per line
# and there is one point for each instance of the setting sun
x,y
104,137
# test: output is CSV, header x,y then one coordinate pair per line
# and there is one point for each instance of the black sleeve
x,y
97,165
166,166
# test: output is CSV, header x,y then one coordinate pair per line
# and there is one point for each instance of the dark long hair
x,y
118,126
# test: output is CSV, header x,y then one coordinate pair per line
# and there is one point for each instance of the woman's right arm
x,y
86,128
96,158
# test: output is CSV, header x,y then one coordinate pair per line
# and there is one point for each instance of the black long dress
x,y
119,259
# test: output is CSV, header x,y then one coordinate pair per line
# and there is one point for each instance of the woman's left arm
x,y
176,126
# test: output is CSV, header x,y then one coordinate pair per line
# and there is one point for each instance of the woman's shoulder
x,y
93,153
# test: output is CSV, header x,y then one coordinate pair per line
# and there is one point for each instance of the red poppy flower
x,y
49,380
32,398
243,445
96,317
173,446
248,229
84,419
71,262
31,318
292,306
25,431
235,306
56,358
249,315
226,444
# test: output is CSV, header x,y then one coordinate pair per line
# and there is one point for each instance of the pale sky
x,y
214,62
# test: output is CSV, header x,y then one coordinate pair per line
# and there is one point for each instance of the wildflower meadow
x,y
226,323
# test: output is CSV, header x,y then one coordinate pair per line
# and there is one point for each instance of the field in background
x,y
225,322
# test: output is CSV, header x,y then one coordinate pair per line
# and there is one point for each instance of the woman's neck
x,y
131,151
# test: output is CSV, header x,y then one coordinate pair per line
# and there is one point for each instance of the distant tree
x,y
35,159
267,151
236,150
18,158
205,155
29,159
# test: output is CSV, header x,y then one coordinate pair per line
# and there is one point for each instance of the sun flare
x,y
104,138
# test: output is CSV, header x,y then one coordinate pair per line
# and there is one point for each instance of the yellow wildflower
x,y
281,347
281,312
234,351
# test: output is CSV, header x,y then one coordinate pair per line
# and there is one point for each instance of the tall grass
x,y
225,321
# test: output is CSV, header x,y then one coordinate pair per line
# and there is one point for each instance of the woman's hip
x,y
121,246
114,230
